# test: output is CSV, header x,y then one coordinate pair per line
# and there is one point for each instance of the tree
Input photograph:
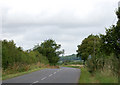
x,y
12,55
88,47
111,41
50,49
8,56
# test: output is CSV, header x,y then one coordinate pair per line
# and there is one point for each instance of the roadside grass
x,y
86,77
72,66
97,77
8,76
25,69
105,77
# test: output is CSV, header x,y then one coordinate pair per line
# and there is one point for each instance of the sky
x,y
68,22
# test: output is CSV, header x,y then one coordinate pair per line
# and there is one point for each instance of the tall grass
x,y
105,77
86,77
97,77
19,69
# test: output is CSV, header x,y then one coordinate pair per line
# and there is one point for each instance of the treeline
x,y
70,59
103,49
50,49
14,57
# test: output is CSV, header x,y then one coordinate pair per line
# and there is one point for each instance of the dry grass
x,y
48,66
78,65
98,77
20,69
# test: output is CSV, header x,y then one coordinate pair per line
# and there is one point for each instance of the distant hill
x,y
69,58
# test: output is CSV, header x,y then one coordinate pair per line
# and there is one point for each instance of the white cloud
x,y
29,22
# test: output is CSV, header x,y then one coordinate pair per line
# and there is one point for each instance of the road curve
x,y
62,75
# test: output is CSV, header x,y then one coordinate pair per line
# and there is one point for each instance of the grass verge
x,y
97,77
72,66
13,73
86,77
105,77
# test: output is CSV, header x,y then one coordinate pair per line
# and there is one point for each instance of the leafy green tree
x,y
50,49
35,57
12,55
88,47
111,41
8,56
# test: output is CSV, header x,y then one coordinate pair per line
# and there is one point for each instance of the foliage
x,y
105,77
105,52
12,55
37,57
89,46
86,77
10,73
97,77
111,40
111,43
50,49
69,58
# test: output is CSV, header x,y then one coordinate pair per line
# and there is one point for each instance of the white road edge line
x,y
43,78
50,75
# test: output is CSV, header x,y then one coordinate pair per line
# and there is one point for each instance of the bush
x,y
14,59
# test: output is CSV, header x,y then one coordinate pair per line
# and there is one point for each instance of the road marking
x,y
43,78
50,75
54,73
36,82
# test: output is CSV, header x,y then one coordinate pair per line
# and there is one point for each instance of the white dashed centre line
x,y
54,72
50,75
43,78
36,82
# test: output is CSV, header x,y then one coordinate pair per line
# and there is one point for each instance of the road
x,y
61,75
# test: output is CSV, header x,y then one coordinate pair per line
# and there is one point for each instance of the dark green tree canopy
x,y
111,41
88,47
50,49
11,54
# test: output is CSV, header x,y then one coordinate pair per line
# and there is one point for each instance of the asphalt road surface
x,y
61,75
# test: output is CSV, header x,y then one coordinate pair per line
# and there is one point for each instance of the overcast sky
x,y
68,22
